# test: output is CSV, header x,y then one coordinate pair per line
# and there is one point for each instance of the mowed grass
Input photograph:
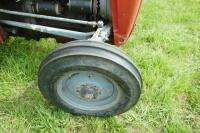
x,y
166,47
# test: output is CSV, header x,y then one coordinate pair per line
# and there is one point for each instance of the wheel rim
x,y
88,90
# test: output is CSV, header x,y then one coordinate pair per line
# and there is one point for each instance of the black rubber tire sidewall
x,y
58,63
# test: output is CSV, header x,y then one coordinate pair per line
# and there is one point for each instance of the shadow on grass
x,y
20,98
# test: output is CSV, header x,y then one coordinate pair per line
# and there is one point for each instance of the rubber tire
x,y
100,57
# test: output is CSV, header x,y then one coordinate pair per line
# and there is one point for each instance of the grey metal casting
x,y
50,30
89,23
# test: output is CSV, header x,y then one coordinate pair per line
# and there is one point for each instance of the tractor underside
x,y
76,19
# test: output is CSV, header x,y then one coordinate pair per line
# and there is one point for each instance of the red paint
x,y
1,40
124,15
1,35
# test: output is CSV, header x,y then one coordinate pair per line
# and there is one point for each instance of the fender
x,y
124,15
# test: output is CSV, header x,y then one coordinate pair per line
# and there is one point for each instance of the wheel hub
x,y
88,91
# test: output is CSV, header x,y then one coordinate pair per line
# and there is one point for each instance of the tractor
x,y
88,75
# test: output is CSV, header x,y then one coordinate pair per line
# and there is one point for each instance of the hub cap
x,y
88,90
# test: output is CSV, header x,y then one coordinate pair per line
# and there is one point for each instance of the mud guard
x,y
124,15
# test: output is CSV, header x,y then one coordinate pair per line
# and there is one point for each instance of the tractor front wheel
x,y
90,78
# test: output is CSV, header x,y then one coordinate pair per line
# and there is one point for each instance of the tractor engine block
x,y
83,10
95,8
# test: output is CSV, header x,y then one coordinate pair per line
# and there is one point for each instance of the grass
x,y
165,45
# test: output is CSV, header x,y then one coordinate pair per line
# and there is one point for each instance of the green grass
x,y
165,45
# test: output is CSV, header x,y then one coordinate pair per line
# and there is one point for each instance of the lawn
x,y
166,47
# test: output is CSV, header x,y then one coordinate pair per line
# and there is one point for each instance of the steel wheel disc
x,y
88,90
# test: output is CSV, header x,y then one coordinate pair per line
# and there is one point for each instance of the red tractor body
x,y
124,15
